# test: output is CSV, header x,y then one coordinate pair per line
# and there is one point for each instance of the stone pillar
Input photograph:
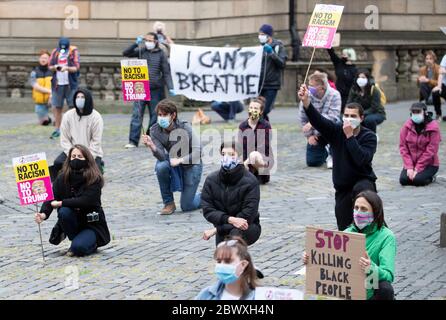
x,y
384,65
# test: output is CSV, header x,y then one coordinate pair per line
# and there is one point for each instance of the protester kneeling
x,y
235,271
380,243
419,142
230,199
77,198
179,170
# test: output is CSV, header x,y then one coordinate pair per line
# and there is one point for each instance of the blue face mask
x,y
226,273
417,118
228,162
164,122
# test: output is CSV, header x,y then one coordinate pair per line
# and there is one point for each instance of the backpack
x,y
383,95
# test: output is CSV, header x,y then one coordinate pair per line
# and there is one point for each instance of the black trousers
x,y
250,235
436,99
384,292
344,202
422,178
58,163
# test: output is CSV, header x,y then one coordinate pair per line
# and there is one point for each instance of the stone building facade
x,y
405,28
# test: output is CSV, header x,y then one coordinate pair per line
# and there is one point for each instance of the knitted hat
x,y
266,29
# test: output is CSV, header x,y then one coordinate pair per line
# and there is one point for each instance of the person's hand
x,y
423,79
305,257
148,142
39,217
437,88
64,68
410,174
172,93
304,96
364,262
313,140
207,234
176,162
348,129
307,127
414,174
139,40
267,48
239,223
56,204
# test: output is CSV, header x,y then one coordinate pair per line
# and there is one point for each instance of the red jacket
x,y
420,150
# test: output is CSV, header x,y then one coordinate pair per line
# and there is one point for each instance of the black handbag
x,y
57,235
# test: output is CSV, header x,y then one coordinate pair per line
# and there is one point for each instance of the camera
x,y
58,68
93,217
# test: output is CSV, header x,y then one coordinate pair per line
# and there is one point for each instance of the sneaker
x,y
168,209
55,134
329,162
377,138
129,146
444,118
69,253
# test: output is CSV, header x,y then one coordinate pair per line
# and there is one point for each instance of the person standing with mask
x,y
178,153
365,92
273,64
159,77
255,137
164,40
80,125
230,199
419,143
353,148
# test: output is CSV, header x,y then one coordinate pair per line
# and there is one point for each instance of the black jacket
x,y
233,193
159,69
275,64
352,158
345,74
82,200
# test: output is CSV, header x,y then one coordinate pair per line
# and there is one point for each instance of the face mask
x,y
150,45
228,162
77,164
345,59
353,121
417,118
80,103
254,114
263,38
226,272
164,122
313,91
362,82
362,219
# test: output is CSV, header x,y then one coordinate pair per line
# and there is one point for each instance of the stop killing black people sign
x,y
333,267
213,73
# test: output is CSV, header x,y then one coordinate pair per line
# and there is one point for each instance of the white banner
x,y
213,73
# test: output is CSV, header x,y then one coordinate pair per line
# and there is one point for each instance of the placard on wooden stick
x,y
333,266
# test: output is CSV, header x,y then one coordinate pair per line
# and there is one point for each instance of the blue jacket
x,y
215,291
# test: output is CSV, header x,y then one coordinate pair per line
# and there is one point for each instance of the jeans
x,y
422,178
61,94
190,199
436,98
83,242
227,110
317,155
138,114
41,111
371,121
344,202
270,97
384,292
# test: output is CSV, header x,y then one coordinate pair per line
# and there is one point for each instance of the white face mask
x,y
263,38
353,121
80,103
150,45
362,82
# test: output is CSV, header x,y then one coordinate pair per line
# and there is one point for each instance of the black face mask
x,y
345,59
77,164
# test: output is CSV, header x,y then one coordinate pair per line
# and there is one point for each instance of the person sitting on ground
x,y
255,137
439,91
227,110
77,198
380,244
428,79
235,271
365,92
419,142
80,125
40,80
178,153
230,199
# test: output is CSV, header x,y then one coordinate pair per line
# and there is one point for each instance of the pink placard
x,y
35,191
319,37
136,90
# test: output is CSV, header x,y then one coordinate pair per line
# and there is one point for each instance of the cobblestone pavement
x,y
163,257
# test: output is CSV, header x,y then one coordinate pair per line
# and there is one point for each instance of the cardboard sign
x,y
213,73
270,293
323,25
333,267
33,179
336,40
135,80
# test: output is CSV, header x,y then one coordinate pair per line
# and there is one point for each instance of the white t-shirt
x,y
62,77
443,64
227,296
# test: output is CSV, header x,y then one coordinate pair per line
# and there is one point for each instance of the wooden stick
x,y
309,65
40,233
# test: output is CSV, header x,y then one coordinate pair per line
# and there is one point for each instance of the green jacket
x,y
381,248
371,103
